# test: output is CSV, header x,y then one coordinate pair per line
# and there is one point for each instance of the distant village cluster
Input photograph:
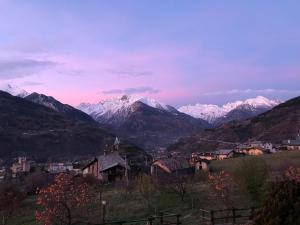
x,y
112,166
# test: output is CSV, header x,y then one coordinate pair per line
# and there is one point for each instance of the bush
x,y
251,176
282,205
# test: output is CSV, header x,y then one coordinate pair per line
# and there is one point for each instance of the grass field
x,y
275,162
123,205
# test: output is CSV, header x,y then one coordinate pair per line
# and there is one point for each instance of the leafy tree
x,y
65,201
251,176
282,204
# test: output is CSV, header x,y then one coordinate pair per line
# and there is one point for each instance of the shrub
x,y
282,204
251,176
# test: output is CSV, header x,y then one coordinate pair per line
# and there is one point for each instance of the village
x,y
111,166
168,186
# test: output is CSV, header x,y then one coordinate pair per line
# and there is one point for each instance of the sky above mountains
x,y
180,52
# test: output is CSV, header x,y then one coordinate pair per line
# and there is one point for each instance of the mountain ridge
x,y
146,122
280,123
217,115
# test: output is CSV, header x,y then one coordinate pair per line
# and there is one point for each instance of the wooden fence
x,y
161,219
227,216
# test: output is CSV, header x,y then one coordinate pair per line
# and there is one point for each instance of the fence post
x,y
150,220
177,219
233,216
252,213
212,219
203,215
161,218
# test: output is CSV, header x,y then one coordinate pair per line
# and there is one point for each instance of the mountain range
x,y
280,123
146,122
238,110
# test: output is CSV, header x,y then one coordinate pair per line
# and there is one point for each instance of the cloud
x,y
252,91
31,83
129,72
138,90
16,68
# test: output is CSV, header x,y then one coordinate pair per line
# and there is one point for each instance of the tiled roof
x,y
223,151
174,163
111,160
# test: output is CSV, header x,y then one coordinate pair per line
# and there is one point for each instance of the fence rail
x,y
161,219
229,216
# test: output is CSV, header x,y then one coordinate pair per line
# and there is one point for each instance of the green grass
x,y
275,162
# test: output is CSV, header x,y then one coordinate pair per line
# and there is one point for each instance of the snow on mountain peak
x,y
212,112
14,90
115,104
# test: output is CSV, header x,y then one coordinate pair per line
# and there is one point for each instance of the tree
x,y
10,200
146,189
221,183
176,183
65,201
251,176
282,204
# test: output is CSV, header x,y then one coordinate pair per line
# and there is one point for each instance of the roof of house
x,y
111,160
174,164
223,151
292,142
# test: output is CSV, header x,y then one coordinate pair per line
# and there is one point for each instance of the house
x,y
60,167
255,148
108,167
171,165
203,155
223,154
292,144
21,166
2,173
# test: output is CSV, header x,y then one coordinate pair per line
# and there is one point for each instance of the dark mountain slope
x,y
41,132
65,109
149,127
282,122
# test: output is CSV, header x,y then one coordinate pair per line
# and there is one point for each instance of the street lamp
x,y
104,210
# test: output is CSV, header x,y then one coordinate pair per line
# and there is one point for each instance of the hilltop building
x,y
60,167
21,166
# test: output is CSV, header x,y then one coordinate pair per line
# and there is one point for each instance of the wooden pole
x,y
233,216
150,220
177,219
161,218
212,219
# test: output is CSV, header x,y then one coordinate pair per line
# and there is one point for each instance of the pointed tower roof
x,y
117,141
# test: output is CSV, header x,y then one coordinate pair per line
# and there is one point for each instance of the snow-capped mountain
x,y
14,90
145,122
105,110
228,112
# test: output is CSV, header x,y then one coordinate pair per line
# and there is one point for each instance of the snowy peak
x,y
211,113
14,90
119,103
